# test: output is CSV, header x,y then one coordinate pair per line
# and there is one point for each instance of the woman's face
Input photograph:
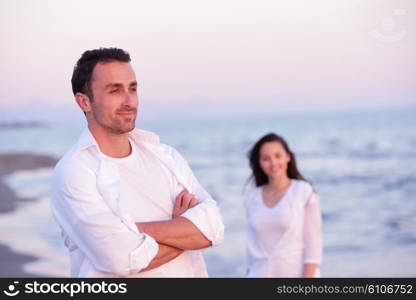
x,y
274,159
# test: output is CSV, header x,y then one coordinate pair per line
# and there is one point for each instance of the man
x,y
127,205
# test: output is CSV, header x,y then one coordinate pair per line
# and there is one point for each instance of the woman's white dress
x,y
281,239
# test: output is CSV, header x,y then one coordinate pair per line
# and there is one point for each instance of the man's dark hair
x,y
81,77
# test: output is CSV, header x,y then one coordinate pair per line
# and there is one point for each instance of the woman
x,y
283,214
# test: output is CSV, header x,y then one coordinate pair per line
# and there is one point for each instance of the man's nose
x,y
129,99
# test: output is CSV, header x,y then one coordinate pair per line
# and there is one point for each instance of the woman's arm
x,y
309,270
312,236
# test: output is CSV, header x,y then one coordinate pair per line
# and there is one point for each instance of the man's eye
x,y
113,91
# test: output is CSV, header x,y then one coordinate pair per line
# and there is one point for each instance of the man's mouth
x,y
126,113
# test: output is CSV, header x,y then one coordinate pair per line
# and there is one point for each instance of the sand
x,y
11,262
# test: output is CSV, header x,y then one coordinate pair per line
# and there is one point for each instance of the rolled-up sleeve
x,y
312,231
86,219
206,215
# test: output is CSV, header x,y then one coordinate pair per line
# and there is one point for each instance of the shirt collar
x,y
138,136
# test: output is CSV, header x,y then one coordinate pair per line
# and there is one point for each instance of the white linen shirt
x,y
102,239
281,239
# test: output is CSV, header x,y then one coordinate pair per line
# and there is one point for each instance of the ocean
x,y
361,163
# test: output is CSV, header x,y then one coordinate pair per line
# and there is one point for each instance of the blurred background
x,y
337,79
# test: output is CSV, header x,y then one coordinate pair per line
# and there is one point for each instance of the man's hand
x,y
183,202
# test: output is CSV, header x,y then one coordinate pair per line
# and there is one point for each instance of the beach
x,y
11,262
361,165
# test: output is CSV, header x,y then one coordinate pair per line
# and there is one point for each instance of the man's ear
x,y
83,102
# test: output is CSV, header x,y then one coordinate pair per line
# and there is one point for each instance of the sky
x,y
217,57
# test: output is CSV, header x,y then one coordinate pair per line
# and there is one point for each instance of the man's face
x,y
114,104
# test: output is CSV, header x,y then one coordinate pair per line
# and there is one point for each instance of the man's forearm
x,y
179,232
165,254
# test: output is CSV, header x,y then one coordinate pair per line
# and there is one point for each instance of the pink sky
x,y
217,57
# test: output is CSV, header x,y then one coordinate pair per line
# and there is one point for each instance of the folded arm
x,y
179,232
165,254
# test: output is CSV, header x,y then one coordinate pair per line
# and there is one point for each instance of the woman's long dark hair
x,y
260,178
